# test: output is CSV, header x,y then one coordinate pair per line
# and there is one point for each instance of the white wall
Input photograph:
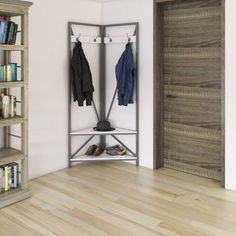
x,y
122,11
230,86
48,79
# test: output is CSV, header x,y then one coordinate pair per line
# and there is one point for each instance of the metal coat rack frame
x,y
103,114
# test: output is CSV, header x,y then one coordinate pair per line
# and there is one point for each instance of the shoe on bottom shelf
x,y
117,151
112,147
91,150
98,151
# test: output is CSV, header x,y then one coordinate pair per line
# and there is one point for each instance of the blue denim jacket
x,y
125,76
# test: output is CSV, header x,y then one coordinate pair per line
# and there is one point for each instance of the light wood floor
x,y
121,199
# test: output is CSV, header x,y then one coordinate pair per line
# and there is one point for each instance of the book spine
x,y
14,34
10,32
14,71
5,107
9,177
6,178
2,74
1,177
5,32
9,72
2,25
5,73
12,106
15,175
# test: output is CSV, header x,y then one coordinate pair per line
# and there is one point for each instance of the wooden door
x,y
192,39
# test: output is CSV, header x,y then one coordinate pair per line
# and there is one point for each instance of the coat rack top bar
x,y
119,39
86,39
107,40
122,24
85,24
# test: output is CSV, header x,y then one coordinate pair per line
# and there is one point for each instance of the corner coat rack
x,y
102,40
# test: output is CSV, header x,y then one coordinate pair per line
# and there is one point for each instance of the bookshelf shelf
x,y
15,195
11,121
5,47
12,84
8,155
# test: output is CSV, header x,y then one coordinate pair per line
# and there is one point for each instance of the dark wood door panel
x,y
196,27
192,58
190,4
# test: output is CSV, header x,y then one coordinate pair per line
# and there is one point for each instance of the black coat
x,y
81,77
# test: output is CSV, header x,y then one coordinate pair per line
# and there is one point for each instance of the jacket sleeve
x,y
87,82
120,74
72,83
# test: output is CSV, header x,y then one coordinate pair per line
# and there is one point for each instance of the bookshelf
x,y
8,154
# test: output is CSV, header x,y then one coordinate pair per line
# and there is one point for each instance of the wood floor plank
x,y
121,199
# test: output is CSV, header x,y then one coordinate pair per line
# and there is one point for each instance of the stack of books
x,y
8,31
7,106
9,177
8,72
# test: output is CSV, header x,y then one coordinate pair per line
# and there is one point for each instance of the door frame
x,y
158,91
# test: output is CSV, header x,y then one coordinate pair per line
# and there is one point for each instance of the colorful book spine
x,y
12,106
9,177
2,27
5,32
6,178
2,74
9,72
14,71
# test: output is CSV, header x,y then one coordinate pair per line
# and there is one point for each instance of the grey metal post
x,y
103,82
137,93
69,94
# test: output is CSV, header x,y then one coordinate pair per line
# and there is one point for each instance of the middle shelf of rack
x,y
91,131
11,121
8,155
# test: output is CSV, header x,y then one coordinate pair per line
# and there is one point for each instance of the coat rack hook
x,y
110,39
129,39
77,39
95,39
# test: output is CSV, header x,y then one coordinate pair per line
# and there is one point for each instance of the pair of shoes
x,y
94,150
116,150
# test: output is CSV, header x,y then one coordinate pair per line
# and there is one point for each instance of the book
x,y
2,26
4,39
5,107
2,74
9,72
15,174
6,174
10,32
12,106
14,71
1,180
14,34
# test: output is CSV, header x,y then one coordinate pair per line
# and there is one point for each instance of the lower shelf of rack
x,y
103,157
13,196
